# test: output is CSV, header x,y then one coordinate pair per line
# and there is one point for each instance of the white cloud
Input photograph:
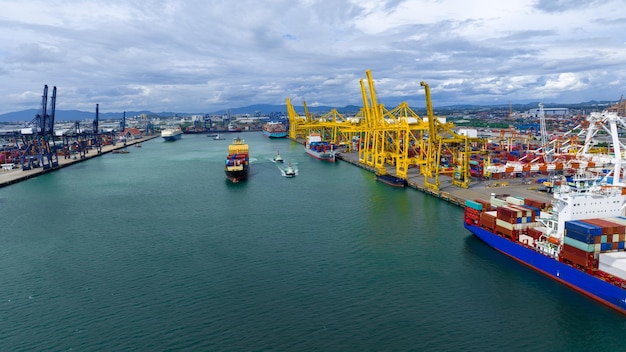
x,y
203,56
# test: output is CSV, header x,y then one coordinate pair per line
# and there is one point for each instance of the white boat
x,y
278,158
290,171
171,134
218,138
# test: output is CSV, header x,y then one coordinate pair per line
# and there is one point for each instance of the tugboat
x,y
278,158
237,161
290,171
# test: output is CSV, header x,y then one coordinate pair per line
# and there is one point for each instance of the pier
x,y
12,173
479,189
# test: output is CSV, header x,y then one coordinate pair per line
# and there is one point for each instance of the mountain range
x,y
268,109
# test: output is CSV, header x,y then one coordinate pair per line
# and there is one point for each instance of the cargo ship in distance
x,y
171,134
579,241
315,147
274,129
237,163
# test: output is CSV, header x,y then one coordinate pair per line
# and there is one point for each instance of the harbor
x,y
12,173
525,188
328,260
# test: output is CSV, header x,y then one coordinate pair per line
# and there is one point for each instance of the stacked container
x,y
513,220
586,239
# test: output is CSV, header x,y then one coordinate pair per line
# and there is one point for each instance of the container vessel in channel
x,y
237,163
274,129
577,240
315,147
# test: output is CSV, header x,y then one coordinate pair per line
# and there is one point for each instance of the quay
x,y
478,189
9,174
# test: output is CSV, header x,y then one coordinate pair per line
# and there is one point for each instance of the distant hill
x,y
76,115
267,109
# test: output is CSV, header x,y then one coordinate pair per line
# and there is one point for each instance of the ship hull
x,y
274,134
237,175
325,156
391,181
589,285
172,138
170,135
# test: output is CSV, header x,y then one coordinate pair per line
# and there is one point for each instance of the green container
x,y
589,248
474,205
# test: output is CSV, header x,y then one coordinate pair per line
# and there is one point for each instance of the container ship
x,y
577,240
237,161
274,129
315,147
171,134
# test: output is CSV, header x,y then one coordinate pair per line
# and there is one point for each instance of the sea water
x,y
156,250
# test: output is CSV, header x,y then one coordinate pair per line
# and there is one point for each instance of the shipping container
x,y
613,264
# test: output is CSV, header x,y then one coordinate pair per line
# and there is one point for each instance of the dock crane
x,y
460,147
36,150
95,138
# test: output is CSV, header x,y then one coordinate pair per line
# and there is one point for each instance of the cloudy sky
x,y
207,55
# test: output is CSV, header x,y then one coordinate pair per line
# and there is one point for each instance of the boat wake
x,y
288,171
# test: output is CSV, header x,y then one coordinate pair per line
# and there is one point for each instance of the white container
x,y
613,263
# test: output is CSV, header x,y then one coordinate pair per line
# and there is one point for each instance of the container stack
x,y
586,239
514,220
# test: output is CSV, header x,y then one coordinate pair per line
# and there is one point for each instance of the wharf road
x,y
457,195
11,176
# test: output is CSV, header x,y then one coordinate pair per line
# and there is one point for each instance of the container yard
x,y
37,148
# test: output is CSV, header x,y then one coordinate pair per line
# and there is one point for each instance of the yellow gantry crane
x,y
390,137
394,139
443,140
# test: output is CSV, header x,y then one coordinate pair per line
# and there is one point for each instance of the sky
x,y
201,56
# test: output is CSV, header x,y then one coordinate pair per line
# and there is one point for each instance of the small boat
x,y
391,180
278,158
237,161
218,138
290,171
121,151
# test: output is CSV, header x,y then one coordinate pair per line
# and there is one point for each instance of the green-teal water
x,y
155,250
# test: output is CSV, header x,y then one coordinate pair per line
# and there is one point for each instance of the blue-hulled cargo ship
x,y
274,129
578,240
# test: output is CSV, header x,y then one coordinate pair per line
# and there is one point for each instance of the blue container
x,y
606,246
583,227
